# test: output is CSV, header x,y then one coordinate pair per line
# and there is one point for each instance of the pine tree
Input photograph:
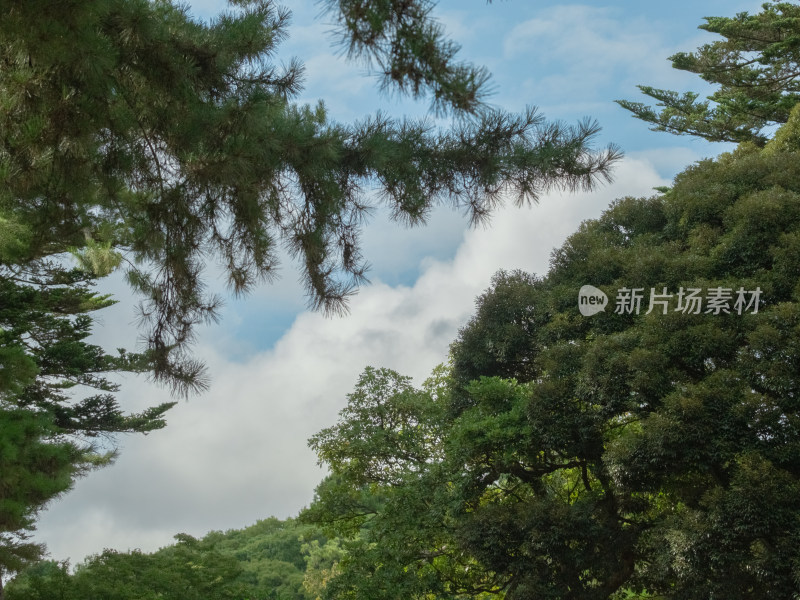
x,y
757,68
129,124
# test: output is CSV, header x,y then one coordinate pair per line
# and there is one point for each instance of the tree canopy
x,y
647,450
32,471
756,66
50,434
407,47
175,142
267,560
134,136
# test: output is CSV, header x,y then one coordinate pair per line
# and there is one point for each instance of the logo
x,y
716,301
591,300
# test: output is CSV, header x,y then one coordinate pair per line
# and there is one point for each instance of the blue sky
x,y
571,61
280,373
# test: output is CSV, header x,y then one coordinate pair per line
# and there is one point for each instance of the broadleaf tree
x,y
650,450
265,560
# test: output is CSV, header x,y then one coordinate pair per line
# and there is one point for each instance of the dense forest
x,y
272,559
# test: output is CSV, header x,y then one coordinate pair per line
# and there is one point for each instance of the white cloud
x,y
238,453
675,159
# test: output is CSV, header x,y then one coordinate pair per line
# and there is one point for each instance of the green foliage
x,y
322,563
756,67
33,471
129,127
45,364
643,454
262,562
45,318
383,412
132,135
190,569
271,556
389,493
501,340
410,51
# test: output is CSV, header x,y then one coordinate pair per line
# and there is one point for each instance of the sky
x,y
280,373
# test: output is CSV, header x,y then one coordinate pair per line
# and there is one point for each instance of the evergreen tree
x,y
127,124
33,470
45,318
403,42
49,433
756,66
